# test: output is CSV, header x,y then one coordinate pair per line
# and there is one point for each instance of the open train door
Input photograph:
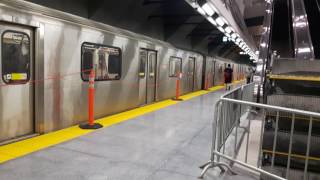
x,y
17,89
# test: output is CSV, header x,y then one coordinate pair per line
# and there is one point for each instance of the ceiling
x,y
254,14
174,21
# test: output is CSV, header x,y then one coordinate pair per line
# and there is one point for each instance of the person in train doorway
x,y
228,71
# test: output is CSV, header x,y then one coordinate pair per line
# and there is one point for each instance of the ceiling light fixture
x,y
201,11
228,30
210,19
220,29
219,21
209,11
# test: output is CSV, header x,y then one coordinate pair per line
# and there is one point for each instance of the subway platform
x,y
168,143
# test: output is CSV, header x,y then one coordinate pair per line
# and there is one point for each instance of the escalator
x,y
293,81
313,12
281,37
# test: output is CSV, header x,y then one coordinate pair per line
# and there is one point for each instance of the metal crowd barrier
x,y
231,131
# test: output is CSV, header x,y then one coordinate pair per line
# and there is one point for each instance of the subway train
x,y
47,55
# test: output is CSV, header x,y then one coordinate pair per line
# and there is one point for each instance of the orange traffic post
x,y
91,124
207,82
179,76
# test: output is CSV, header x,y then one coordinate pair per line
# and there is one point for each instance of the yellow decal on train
x,y
18,76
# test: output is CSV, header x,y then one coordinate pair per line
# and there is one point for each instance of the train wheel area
x,y
22,148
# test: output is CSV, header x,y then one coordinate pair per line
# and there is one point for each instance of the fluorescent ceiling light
x,y
225,39
304,50
219,21
201,11
228,30
234,35
210,19
263,45
220,29
242,44
208,9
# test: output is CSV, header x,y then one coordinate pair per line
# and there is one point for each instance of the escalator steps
x,y
299,146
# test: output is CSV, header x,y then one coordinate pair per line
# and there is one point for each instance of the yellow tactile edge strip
x,y
24,147
294,78
292,155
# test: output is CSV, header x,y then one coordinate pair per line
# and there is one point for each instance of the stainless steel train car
x,y
214,71
46,56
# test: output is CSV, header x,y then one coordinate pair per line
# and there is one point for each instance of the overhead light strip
x,y
208,10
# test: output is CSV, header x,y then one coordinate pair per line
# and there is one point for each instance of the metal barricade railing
x,y
232,126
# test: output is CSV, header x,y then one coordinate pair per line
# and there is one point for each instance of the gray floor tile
x,y
166,144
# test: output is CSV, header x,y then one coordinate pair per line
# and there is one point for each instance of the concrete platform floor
x,y
166,144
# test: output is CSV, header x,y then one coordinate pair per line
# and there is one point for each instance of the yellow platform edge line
x,y
292,155
18,149
294,78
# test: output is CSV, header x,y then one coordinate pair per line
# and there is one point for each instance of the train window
x,y
87,57
15,57
175,66
143,61
220,68
152,63
105,59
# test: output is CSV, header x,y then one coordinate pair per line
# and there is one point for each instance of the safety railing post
x,y
91,124
248,138
215,135
261,138
275,140
226,123
305,177
290,147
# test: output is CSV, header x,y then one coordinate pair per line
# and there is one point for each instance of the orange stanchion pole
x,y
207,82
179,76
177,88
91,124
91,98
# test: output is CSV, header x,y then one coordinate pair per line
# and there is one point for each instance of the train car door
x,y
151,76
191,73
210,73
16,90
148,64
234,77
213,72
